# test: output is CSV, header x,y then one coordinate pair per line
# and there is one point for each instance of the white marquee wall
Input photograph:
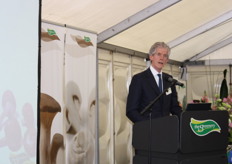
x,y
205,78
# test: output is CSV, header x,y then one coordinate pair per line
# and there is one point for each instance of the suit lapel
x,y
152,81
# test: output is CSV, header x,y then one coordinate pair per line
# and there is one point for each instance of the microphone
x,y
170,79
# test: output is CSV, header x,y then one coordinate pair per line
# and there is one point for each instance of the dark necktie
x,y
160,83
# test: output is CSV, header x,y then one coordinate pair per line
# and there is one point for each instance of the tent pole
x,y
230,84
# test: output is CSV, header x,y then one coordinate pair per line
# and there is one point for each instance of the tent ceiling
x,y
196,30
91,15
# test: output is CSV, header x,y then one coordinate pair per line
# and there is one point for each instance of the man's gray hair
x,y
158,45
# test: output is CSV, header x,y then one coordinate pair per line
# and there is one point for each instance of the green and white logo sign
x,y
204,127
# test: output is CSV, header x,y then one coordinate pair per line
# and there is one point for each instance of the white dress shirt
x,y
155,74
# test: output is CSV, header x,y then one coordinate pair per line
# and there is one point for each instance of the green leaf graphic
x,y
51,32
87,39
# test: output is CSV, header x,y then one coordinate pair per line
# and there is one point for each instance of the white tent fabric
x,y
196,30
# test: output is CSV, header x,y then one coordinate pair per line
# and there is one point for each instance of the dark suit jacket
x,y
143,89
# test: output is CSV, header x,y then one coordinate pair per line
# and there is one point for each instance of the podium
x,y
198,137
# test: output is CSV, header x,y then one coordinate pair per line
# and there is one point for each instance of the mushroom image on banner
x,y
49,107
80,137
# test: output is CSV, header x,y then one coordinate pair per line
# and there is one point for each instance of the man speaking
x,y
149,84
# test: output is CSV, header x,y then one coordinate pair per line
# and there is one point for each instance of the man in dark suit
x,y
145,87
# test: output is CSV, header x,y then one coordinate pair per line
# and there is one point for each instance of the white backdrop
x,y
19,80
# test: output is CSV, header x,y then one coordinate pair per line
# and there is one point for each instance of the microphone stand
x,y
148,107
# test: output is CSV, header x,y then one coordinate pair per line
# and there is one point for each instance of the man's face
x,y
159,58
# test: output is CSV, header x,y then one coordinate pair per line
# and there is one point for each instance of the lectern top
x,y
198,107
